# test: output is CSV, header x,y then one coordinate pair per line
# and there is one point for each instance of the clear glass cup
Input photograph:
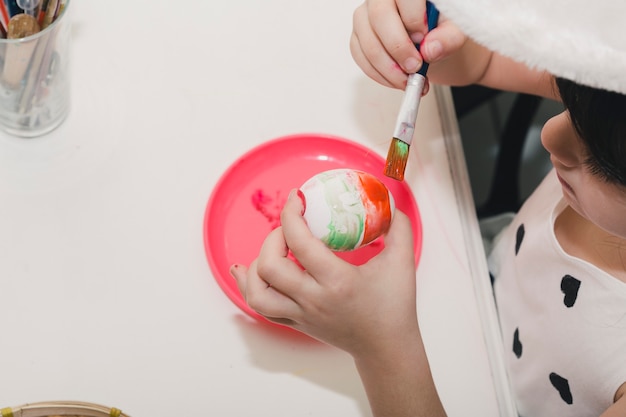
x,y
34,78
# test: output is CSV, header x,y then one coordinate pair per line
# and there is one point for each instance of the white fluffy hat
x,y
581,40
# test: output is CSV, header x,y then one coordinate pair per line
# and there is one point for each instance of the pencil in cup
x,y
18,53
43,8
4,19
39,70
34,74
53,8
398,153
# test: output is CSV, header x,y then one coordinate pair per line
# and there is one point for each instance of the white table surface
x,y
106,295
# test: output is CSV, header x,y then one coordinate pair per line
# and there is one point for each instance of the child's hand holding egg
x,y
347,209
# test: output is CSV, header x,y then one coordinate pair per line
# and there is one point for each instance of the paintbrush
x,y
398,153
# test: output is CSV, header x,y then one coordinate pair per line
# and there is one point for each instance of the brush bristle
x,y
396,159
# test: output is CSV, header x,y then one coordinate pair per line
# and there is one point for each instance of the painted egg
x,y
347,208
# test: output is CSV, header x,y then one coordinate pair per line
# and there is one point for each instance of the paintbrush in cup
x,y
398,153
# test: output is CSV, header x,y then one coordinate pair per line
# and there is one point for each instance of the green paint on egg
x,y
347,223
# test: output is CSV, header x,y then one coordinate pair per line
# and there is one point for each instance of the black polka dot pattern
x,y
519,238
517,345
562,386
570,287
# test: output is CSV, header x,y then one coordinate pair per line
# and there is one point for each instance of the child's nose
x,y
559,138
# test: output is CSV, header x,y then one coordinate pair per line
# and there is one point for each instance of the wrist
x,y
398,380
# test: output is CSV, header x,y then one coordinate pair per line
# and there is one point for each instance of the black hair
x,y
599,118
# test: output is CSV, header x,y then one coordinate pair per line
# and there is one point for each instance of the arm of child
x,y
618,408
382,44
399,382
368,311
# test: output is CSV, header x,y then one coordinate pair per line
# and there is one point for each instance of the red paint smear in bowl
x,y
246,202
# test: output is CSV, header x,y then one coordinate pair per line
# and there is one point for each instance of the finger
x,y
259,294
365,65
370,54
441,42
239,273
390,28
266,300
277,269
413,15
319,261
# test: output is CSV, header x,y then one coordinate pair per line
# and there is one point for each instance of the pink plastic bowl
x,y
246,202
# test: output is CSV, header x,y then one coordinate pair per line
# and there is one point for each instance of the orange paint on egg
x,y
377,207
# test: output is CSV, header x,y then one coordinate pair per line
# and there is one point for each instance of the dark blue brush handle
x,y
432,17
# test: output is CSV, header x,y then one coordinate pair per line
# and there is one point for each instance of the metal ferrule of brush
x,y
405,124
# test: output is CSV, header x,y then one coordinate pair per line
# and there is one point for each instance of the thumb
x,y
399,239
441,42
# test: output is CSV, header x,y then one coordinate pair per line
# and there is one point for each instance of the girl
x,y
559,267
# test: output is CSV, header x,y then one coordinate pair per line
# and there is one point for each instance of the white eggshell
x,y
347,208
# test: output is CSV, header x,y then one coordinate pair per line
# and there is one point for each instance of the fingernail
x,y
411,65
302,198
298,193
232,269
433,50
417,37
